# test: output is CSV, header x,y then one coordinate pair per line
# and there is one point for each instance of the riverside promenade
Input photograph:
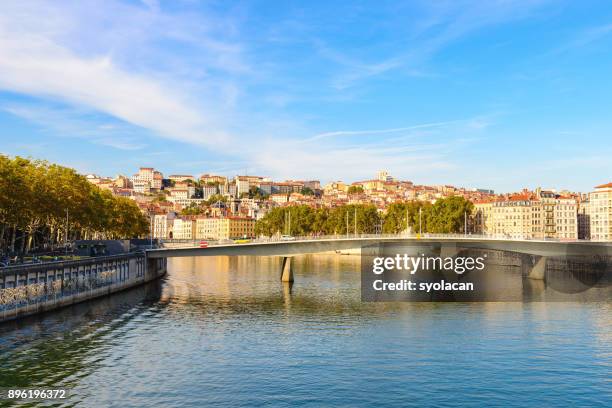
x,y
34,288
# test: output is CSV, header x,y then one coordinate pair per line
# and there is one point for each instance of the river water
x,y
225,332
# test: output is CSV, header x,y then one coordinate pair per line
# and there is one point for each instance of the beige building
x,y
179,193
146,179
335,187
566,218
122,182
600,206
383,175
163,225
279,198
512,218
224,228
584,218
181,178
211,178
529,215
184,228
483,217
157,181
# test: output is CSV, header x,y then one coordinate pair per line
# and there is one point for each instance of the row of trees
x,y
305,220
447,215
41,204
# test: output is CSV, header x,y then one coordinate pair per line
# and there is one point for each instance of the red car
x,y
203,244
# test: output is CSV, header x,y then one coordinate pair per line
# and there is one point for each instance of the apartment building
x,y
163,225
483,217
184,228
157,181
566,218
211,178
146,179
600,206
529,215
180,178
584,217
208,191
512,217
224,228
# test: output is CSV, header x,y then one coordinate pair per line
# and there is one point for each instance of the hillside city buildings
x,y
182,206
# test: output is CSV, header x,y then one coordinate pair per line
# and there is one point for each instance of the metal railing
x,y
30,267
426,236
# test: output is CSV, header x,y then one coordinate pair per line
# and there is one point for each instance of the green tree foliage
x,y
36,196
305,220
355,190
445,216
307,191
193,209
254,192
395,217
215,198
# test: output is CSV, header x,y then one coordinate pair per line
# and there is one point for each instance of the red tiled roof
x,y
609,185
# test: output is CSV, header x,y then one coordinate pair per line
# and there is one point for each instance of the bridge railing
x,y
479,237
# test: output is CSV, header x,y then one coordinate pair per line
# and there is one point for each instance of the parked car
x,y
287,238
241,241
203,244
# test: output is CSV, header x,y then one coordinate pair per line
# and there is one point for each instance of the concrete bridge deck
x,y
326,244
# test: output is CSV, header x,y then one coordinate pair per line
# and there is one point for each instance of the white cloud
x,y
380,131
35,61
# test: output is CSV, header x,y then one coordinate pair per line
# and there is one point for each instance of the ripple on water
x,y
225,332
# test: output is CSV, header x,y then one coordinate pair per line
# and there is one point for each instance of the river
x,y
225,332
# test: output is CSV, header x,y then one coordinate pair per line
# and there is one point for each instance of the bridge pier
x,y
287,270
533,266
538,271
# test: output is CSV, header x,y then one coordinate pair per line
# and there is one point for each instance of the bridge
x,y
534,253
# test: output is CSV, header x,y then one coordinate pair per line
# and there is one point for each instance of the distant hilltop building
x,y
147,179
213,179
181,178
213,206
383,175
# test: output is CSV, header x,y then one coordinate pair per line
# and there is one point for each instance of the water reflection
x,y
226,332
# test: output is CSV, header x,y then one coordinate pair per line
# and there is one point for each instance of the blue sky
x,y
491,94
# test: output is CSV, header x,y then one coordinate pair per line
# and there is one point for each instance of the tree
x,y
307,191
293,220
255,192
355,190
398,213
36,197
193,209
215,198
447,215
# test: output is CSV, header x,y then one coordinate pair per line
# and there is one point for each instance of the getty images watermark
x,y
439,273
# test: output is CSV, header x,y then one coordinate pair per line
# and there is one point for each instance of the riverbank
x,y
35,288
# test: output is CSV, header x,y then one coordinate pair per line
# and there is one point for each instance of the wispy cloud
x,y
438,25
71,123
297,92
37,59
585,37
379,131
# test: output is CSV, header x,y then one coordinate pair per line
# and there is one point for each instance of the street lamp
x,y
151,215
66,234
420,223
